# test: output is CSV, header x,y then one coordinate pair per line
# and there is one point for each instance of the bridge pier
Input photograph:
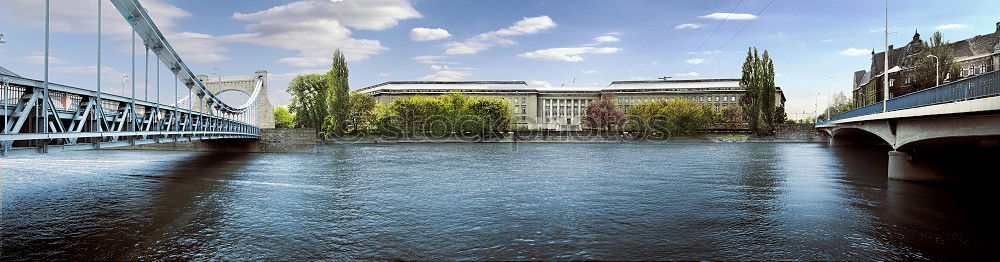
x,y
903,167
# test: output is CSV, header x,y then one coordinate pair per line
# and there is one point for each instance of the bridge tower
x,y
246,85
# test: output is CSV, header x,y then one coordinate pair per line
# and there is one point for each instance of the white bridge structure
x,y
38,115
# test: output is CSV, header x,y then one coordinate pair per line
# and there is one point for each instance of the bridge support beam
x,y
903,167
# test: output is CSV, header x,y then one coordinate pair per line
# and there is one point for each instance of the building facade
x,y
564,108
976,55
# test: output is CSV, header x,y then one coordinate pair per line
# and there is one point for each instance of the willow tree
x,y
758,101
338,100
308,100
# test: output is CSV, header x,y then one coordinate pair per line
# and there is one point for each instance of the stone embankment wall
x,y
273,140
797,133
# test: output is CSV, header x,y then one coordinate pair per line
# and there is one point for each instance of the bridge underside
x,y
923,149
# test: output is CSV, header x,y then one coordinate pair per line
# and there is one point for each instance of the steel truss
x,y
39,114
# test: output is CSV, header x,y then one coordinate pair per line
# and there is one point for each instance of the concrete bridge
x,y
946,126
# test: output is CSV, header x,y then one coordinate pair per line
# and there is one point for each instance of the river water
x,y
487,202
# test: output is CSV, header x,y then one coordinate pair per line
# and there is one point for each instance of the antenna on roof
x,y
665,78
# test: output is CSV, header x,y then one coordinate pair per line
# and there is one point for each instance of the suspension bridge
x,y
40,116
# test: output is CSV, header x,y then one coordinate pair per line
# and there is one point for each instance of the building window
x,y
524,109
524,100
733,99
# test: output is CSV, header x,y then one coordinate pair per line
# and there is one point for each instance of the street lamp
x,y
937,69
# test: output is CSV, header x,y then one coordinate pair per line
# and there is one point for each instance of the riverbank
x,y
788,133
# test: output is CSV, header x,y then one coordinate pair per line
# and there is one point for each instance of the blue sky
x,y
816,45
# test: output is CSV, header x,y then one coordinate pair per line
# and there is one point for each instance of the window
x,y
524,100
733,99
524,109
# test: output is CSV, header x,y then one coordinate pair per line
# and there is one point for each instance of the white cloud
x,y
433,59
481,42
729,16
75,16
568,54
40,59
688,74
688,26
428,34
695,61
951,26
446,73
855,52
384,74
316,28
589,72
540,83
107,73
291,75
711,52
606,39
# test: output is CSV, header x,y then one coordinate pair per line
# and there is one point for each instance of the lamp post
x,y
885,65
937,70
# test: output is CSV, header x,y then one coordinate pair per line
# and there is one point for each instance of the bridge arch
x,y
245,85
859,135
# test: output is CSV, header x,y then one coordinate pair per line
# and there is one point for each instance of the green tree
x,y
362,112
308,100
443,115
758,101
603,114
283,119
926,73
670,116
338,101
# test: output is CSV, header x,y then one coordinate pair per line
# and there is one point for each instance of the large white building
x,y
563,108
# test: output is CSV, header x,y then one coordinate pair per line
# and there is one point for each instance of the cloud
x,y
695,61
291,75
855,52
729,16
384,74
446,73
316,28
590,72
568,54
432,59
540,83
107,73
484,41
606,39
688,26
40,59
951,26
688,74
710,52
81,17
428,34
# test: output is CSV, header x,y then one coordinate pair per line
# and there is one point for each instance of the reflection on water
x,y
489,201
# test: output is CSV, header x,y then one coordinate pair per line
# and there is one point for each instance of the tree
x,y
308,100
603,114
926,72
338,101
670,116
362,107
758,101
283,119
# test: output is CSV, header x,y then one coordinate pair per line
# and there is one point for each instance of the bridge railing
x,y
972,87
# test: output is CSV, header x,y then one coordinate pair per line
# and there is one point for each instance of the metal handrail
x,y
972,87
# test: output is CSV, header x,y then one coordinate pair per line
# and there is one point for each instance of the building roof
x,y
444,85
4,71
676,84
976,46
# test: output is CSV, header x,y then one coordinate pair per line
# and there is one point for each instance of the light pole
x,y
885,64
937,70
